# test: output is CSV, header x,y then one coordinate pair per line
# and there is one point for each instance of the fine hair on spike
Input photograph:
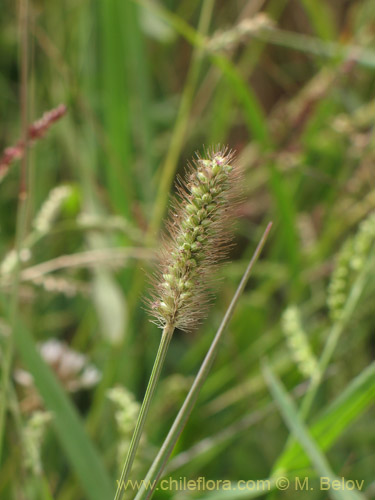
x,y
198,236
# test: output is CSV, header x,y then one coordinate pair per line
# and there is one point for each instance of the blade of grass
x,y
83,456
355,399
285,207
116,104
254,116
200,452
332,340
316,46
295,424
138,77
188,405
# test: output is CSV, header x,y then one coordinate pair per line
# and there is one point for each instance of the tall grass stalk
x,y
197,239
167,447
155,374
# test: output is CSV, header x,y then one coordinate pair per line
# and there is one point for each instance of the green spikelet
x,y
126,413
51,208
32,439
350,262
339,285
298,344
363,242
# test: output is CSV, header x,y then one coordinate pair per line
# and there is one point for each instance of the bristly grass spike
x,y
197,238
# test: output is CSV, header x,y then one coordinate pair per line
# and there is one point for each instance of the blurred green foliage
x,y
146,85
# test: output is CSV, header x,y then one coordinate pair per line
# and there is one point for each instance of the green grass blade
x,y
317,47
285,208
115,101
138,79
356,399
83,456
296,425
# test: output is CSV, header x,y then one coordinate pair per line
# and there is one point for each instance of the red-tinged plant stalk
x,y
35,131
198,238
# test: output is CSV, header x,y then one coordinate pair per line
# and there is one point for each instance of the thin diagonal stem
x,y
155,374
184,413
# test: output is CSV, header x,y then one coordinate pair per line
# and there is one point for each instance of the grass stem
x,y
155,374
167,447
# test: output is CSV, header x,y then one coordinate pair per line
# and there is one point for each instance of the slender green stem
x,y
177,140
183,415
156,370
317,46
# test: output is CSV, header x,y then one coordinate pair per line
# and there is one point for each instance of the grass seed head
x,y
198,238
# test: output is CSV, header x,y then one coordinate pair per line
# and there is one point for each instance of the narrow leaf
x,y
297,427
356,398
80,451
